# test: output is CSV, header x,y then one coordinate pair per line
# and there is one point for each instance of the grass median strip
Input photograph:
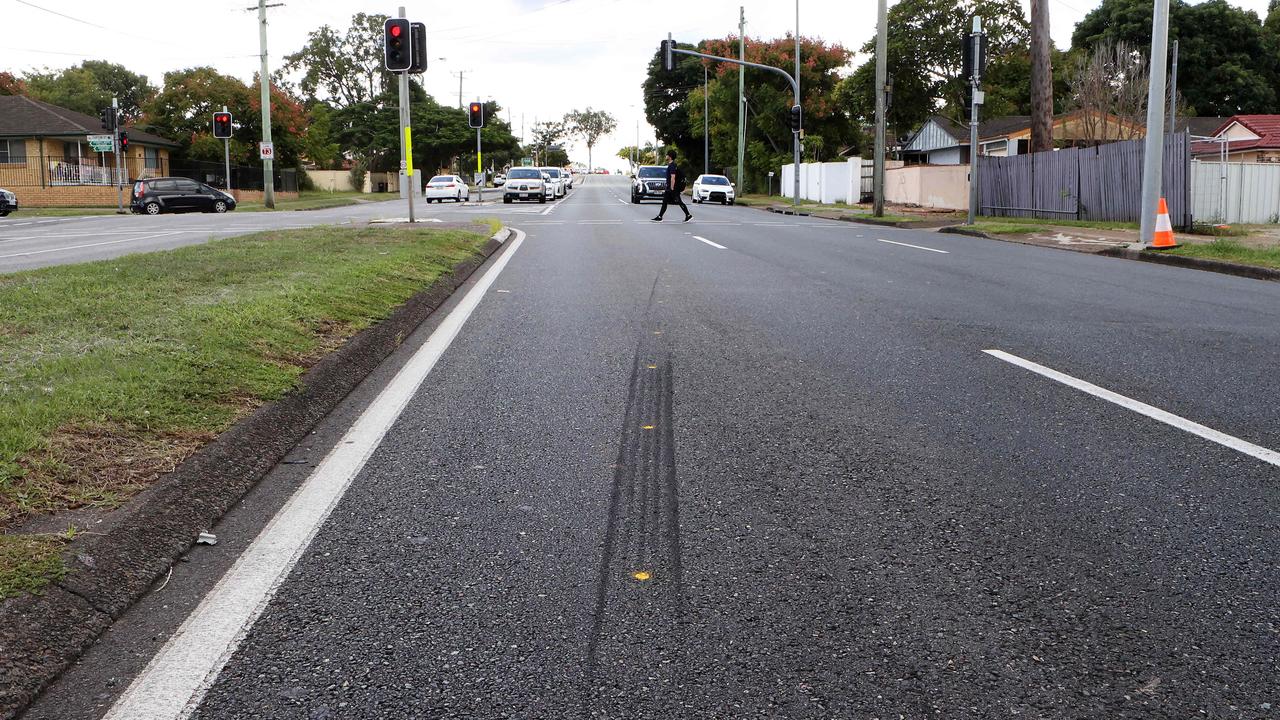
x,y
1230,250
111,373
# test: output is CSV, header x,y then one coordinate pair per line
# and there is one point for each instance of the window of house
x,y
1024,146
152,158
13,151
71,152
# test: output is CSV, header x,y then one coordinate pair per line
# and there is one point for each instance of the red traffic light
x,y
395,31
475,107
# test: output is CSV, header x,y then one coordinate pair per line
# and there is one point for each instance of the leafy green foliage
x,y
89,87
343,68
589,125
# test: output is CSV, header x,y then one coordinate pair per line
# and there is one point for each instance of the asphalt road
x,y
761,466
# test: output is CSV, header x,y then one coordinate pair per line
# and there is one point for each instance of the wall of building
x,y
933,186
255,196
331,180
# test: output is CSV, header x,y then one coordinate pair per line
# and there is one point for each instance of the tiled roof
x,y
1266,127
21,116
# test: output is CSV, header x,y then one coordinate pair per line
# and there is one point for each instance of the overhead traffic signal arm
x,y
669,51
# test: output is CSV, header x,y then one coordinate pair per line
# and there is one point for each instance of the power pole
x,y
1173,91
706,125
882,78
1153,156
742,89
460,74
264,82
1041,79
975,101
799,133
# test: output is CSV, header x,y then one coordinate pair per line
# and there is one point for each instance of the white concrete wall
x,y
331,180
933,186
832,182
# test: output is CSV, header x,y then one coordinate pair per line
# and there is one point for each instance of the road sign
x,y
102,143
526,161
266,151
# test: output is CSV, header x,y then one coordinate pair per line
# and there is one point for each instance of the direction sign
x,y
266,150
102,143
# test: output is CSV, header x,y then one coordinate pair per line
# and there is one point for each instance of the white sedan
x,y
447,187
715,188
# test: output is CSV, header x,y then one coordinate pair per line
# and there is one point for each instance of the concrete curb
x,y
40,636
826,215
1219,266
958,230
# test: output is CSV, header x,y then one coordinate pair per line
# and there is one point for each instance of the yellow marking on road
x,y
646,427
641,575
653,367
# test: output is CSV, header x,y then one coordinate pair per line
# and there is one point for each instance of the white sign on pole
x,y
102,143
266,150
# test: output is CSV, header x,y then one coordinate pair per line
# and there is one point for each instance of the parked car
x,y
650,182
568,178
175,194
557,181
714,188
8,202
524,183
447,187
499,179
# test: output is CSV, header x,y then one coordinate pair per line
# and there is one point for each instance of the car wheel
x,y
220,207
506,201
4,213
542,199
152,208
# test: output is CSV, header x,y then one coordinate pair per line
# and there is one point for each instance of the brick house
x,y
1243,139
46,160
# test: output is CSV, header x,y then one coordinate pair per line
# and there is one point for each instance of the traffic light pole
x,y
115,131
406,181
975,101
795,87
479,172
226,156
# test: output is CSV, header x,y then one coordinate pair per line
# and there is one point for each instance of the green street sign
x,y
526,161
102,143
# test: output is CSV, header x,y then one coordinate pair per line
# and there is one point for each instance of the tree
x,y
648,154
1041,78
925,56
1231,62
89,87
10,85
342,68
545,136
664,99
1107,85
590,125
318,143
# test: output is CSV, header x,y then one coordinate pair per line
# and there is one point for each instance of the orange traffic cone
x,y
1164,229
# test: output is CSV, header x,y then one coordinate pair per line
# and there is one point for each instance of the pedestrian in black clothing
x,y
675,185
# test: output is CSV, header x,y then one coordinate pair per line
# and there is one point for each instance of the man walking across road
x,y
675,186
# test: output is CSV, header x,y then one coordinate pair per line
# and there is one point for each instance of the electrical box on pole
x,y
418,47
397,44
222,125
475,115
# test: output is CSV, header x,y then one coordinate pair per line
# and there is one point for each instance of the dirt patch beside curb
x,y
41,635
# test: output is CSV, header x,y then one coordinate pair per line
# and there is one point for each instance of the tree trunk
x,y
1041,79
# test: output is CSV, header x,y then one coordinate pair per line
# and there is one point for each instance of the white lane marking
x,y
769,223
177,678
1155,413
714,245
87,245
548,210
600,222
918,247
624,202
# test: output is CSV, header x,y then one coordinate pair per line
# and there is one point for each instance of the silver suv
x,y
524,183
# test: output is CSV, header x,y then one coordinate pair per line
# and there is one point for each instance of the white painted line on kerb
x,y
918,247
176,680
1155,413
714,245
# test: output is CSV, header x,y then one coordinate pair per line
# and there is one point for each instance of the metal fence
x,y
243,177
1092,183
1235,192
31,172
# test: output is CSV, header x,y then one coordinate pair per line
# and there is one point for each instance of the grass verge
x,y
1002,225
112,373
29,562
1231,251
314,200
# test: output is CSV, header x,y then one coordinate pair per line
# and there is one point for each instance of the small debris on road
x,y
207,538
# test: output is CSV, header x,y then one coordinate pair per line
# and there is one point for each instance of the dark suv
x,y
650,182
170,194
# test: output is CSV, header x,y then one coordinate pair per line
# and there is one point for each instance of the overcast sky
x,y
539,58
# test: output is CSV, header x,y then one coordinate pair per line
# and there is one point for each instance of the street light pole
x,y
882,72
795,200
742,88
1153,157
264,82
706,125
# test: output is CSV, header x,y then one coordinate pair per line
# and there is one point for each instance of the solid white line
x,y
714,245
89,245
1155,413
178,677
918,247
549,209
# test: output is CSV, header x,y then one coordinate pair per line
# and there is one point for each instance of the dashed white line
x,y
714,245
1257,451
180,674
918,247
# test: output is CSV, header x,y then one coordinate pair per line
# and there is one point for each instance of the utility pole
x,y
1041,79
882,78
975,101
1173,92
742,89
706,125
264,82
1153,157
799,135
460,74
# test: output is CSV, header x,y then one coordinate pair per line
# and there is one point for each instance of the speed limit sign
x,y
266,150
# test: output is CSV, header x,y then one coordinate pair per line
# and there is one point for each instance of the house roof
x,y
21,116
1201,126
1266,127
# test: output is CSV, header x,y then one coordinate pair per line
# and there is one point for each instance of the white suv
x,y
557,180
715,188
524,183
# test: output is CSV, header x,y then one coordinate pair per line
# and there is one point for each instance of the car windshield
x,y
524,174
714,180
441,179
652,172
553,172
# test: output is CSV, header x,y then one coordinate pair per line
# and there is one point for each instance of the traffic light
x,y
795,118
418,47
397,45
109,119
967,72
475,115
222,125
668,58
124,141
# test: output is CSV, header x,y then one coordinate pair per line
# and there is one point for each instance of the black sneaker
x,y
657,219
688,217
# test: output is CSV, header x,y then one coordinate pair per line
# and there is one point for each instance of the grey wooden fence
x,y
1093,183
